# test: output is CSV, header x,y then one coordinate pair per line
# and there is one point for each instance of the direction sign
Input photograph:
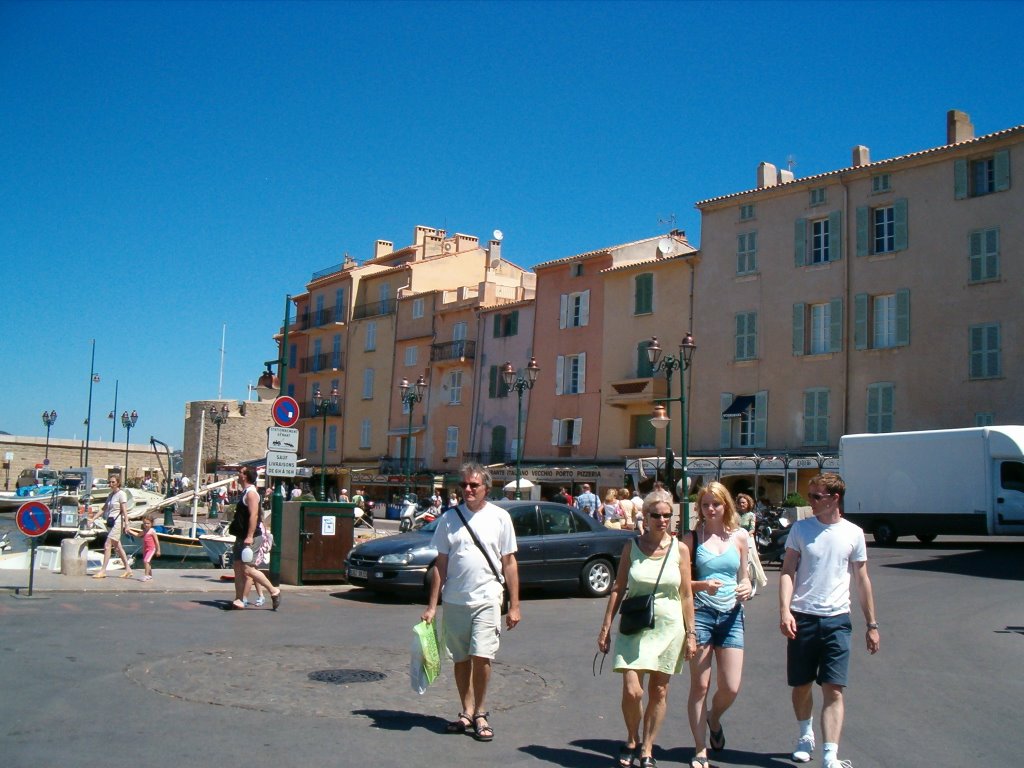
x,y
281,464
33,518
282,439
285,411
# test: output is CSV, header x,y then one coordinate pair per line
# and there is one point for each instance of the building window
x,y
496,383
336,352
417,308
881,183
884,222
642,432
311,446
318,318
451,442
371,336
411,355
816,417
744,420
506,324
364,433
368,384
384,294
986,419
746,335
455,387
332,438
339,305
576,270
882,229
880,407
821,322
747,212
317,351
571,374
882,321
574,311
985,356
566,432
643,294
746,253
883,310
818,328
818,241
984,245
817,196
981,176
293,355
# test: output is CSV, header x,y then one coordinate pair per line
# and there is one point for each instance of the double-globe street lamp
x,y
218,418
660,419
323,407
128,422
410,395
520,385
48,419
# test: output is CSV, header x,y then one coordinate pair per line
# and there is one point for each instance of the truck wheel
x,y
884,533
926,538
597,578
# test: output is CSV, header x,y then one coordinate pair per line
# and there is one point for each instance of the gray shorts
x,y
239,545
471,630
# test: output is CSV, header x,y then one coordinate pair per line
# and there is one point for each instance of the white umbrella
x,y
523,484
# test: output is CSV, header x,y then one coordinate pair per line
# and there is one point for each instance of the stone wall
x,y
242,437
106,458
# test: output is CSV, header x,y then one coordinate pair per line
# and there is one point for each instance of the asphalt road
x,y
118,678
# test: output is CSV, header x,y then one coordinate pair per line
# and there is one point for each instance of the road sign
x,y
281,464
33,518
282,439
285,411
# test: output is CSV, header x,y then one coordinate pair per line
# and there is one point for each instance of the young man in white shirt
x,y
814,613
472,594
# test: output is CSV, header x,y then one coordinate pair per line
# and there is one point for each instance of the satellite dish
x,y
665,246
498,235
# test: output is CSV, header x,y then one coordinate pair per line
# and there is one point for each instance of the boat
x,y
48,558
217,546
179,542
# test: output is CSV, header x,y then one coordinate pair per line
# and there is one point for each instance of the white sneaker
x,y
260,601
804,749
837,763
245,604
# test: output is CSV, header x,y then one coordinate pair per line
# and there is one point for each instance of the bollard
x,y
72,557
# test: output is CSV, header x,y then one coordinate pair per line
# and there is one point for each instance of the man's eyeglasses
x,y
819,496
659,515
472,486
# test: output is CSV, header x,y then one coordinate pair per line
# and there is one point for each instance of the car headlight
x,y
396,558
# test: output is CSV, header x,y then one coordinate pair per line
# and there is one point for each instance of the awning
x,y
740,404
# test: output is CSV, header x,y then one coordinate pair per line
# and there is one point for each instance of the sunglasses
x,y
660,515
472,486
819,496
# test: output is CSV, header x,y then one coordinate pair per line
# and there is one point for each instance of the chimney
x,y
785,175
861,155
767,175
382,248
494,252
958,127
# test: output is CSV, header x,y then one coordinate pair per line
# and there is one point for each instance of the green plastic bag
x,y
425,664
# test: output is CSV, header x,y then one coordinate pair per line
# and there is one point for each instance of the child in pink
x,y
150,547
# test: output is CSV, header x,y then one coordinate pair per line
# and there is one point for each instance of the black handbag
x,y
637,613
505,599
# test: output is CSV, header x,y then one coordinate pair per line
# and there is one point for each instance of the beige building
x,y
105,457
879,297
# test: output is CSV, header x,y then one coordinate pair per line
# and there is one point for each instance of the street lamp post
x,y
48,420
218,418
128,422
113,414
410,395
669,364
94,378
520,385
324,406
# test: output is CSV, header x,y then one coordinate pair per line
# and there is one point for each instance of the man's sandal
x,y
482,732
461,725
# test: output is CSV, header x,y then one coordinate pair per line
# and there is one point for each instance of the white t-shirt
x,y
470,580
822,585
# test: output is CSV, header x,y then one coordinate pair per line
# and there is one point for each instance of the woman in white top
x,y
115,512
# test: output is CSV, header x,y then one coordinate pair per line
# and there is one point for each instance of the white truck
x,y
959,482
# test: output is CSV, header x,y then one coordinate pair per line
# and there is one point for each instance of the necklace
x,y
654,547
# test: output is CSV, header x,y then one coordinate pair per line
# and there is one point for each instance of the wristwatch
x,y
873,625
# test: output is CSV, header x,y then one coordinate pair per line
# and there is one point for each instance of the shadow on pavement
x,y
400,720
998,560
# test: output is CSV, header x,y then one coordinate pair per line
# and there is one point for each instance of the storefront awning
x,y
740,403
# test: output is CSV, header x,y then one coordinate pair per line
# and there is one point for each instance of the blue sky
x,y
168,168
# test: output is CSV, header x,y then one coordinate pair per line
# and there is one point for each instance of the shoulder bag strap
x,y
458,510
664,562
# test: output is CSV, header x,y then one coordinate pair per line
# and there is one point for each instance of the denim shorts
x,y
820,652
720,629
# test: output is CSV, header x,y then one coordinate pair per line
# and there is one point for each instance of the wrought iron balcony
x,y
375,308
490,457
393,466
453,350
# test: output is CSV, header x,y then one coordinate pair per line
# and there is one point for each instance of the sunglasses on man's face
x,y
818,496
471,486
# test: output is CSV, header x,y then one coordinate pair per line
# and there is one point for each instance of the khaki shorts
x,y
471,630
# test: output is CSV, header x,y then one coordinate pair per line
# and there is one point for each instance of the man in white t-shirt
x,y
472,595
814,606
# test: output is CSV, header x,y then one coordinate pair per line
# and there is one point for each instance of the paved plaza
x,y
119,673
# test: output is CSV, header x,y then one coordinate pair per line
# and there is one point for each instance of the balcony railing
x,y
490,457
453,350
392,466
375,308
317,363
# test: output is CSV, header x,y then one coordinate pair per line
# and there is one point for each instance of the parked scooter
x,y
770,536
413,517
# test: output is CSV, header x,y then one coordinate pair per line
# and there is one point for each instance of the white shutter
x,y
583,372
577,431
555,426
585,307
563,310
559,367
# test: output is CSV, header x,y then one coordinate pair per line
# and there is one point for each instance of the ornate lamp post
x,y
669,364
128,422
48,420
218,418
113,414
410,395
324,406
520,385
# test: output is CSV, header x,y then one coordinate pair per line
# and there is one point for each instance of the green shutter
x,y
800,242
1001,161
643,294
835,235
740,343
492,389
513,326
863,215
798,329
860,321
835,336
497,327
725,435
959,179
899,209
760,419
903,317
644,369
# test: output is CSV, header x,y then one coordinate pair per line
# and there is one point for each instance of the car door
x,y
530,555
567,544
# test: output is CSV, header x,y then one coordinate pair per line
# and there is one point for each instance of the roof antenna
x,y
790,162
671,221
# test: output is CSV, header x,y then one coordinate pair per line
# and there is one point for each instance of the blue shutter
x,y
800,242
903,317
860,321
959,179
798,329
835,336
725,435
1001,161
863,216
835,235
760,419
899,209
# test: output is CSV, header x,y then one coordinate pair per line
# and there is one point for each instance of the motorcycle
x,y
770,536
413,517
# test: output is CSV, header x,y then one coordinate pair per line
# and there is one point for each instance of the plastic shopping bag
x,y
425,658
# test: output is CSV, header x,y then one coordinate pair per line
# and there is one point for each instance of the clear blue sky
x,y
168,168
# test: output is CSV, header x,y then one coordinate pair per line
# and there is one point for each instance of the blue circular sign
x,y
33,518
285,411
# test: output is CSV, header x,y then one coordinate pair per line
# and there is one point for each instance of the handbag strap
x,y
661,570
458,510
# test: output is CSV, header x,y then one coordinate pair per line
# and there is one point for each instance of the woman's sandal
x,y
648,762
716,739
482,732
698,762
461,725
627,755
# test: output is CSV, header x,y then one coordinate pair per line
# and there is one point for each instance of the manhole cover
x,y
342,676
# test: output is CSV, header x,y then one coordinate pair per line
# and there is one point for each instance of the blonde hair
x,y
611,496
720,493
748,497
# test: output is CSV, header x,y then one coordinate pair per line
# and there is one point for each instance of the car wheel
x,y
884,533
597,578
